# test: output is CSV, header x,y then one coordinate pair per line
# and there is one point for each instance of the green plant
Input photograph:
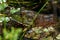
x,y
3,4
0,38
13,34
13,10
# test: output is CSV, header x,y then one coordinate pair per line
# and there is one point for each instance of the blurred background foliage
x,y
29,4
17,4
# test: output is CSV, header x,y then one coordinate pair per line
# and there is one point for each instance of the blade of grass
x,y
39,12
34,19
4,23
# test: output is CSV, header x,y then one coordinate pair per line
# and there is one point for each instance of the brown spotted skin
x,y
41,21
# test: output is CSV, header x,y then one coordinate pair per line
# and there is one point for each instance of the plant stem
x,y
4,23
34,19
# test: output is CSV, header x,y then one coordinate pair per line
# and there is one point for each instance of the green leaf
x,y
4,19
0,38
17,32
3,6
12,11
4,0
1,1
